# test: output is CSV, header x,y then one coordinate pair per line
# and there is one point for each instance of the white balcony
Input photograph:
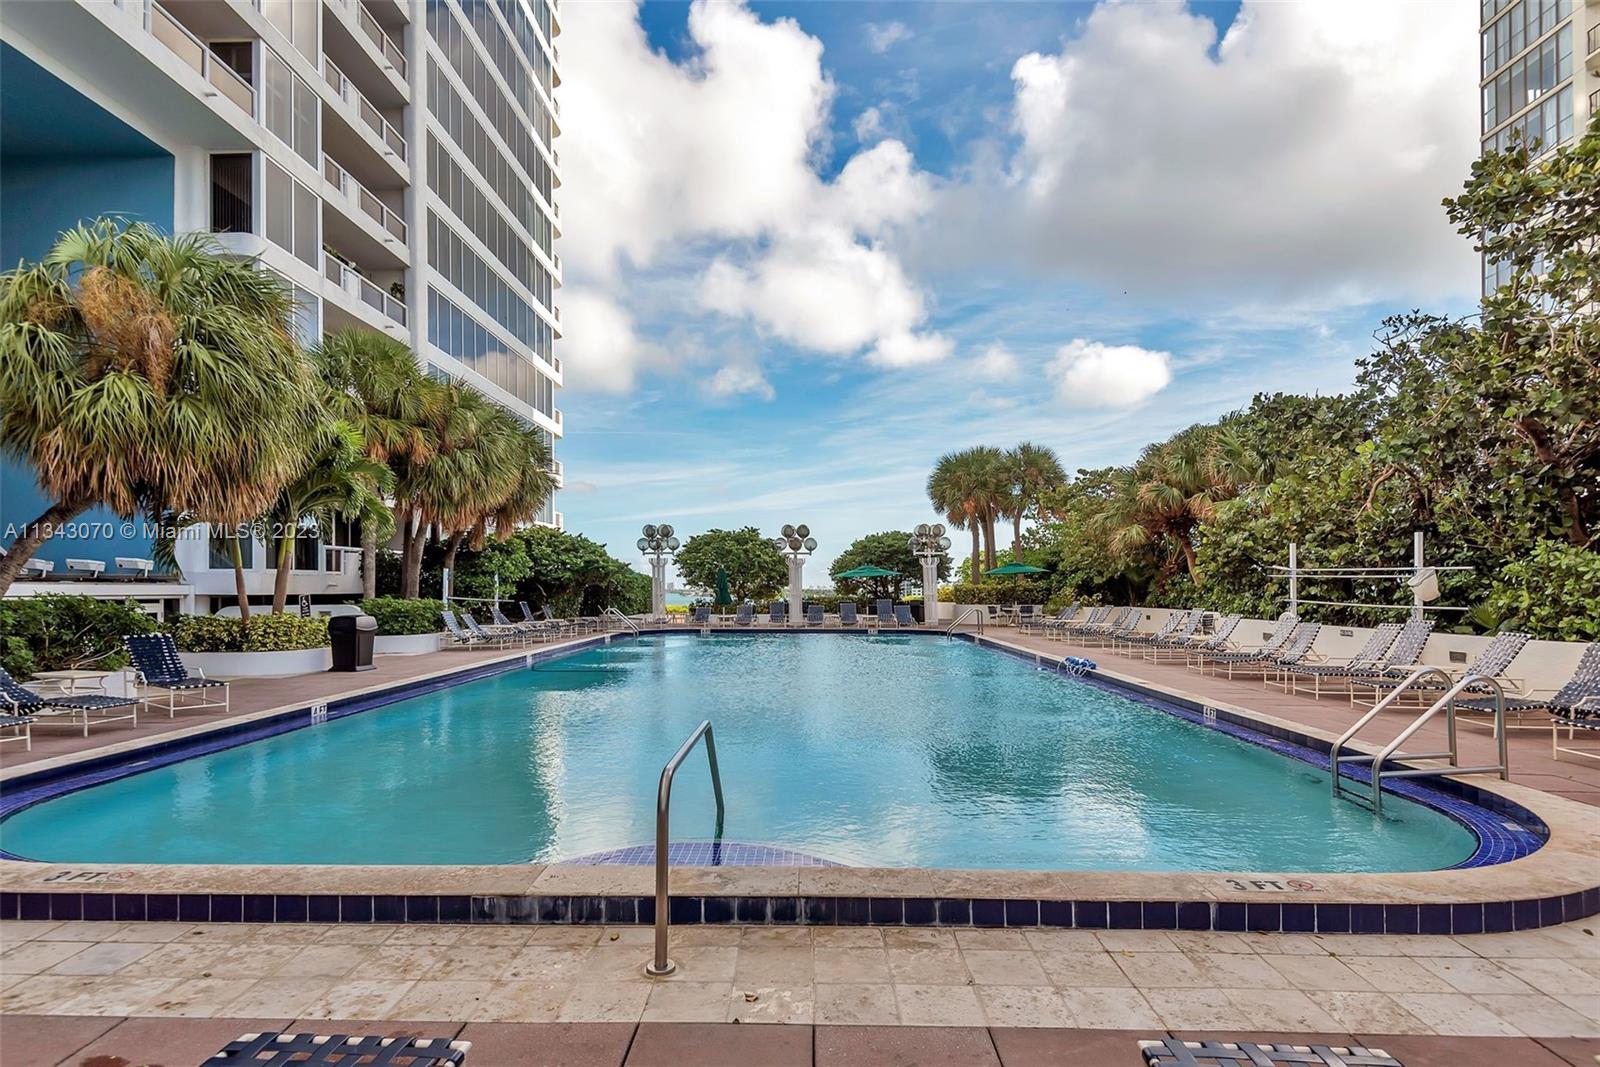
x,y
221,79
363,108
390,51
359,196
363,290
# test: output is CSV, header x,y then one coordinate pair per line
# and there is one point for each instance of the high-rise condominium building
x,y
1540,77
394,160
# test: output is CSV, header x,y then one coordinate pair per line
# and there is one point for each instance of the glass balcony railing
x,y
192,52
374,32
357,195
347,91
362,288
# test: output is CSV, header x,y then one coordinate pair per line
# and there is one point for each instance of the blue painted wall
x,y
64,159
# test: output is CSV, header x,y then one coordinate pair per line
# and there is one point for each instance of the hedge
x,y
263,633
60,632
397,615
1003,592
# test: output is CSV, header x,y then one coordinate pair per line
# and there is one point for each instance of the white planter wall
x,y
405,644
258,664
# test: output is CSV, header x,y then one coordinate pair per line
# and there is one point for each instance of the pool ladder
x,y
629,623
976,609
1447,704
660,966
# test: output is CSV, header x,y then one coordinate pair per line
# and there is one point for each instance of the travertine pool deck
x,y
1543,983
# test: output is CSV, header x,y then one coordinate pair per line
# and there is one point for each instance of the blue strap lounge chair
x,y
274,1049
778,612
1575,706
17,728
847,613
902,615
460,636
491,637
745,615
701,615
885,612
1270,648
814,616
159,670
1369,657
506,625
20,708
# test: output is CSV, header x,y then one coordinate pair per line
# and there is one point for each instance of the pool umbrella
x,y
1015,568
723,598
867,572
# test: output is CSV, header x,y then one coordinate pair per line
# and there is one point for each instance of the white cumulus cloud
x,y
997,363
1094,375
601,349
883,36
739,379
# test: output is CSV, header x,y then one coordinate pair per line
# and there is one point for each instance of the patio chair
x,y
885,612
814,616
1269,648
1492,662
778,612
460,636
158,669
1297,648
902,615
23,708
1218,640
1370,657
745,615
503,638
17,728
1400,660
1073,624
1026,613
1573,707
847,614
505,624
275,1049
1121,624
700,615
1043,624
1168,626
1180,636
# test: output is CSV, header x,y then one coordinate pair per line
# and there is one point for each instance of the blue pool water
x,y
881,751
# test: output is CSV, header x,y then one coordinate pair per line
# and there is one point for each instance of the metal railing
x,y
360,196
1594,39
611,612
362,288
1447,704
192,51
660,966
977,610
347,91
386,45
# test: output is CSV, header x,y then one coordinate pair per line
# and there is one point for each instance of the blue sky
x,y
812,247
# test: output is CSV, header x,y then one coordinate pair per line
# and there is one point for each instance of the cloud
x,y
884,36
1303,157
738,379
600,348
996,363
1093,375
868,125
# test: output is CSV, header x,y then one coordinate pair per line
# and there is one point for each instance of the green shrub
x,y
57,632
263,633
1000,592
1553,593
396,615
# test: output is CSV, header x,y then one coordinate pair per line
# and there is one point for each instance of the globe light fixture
x,y
658,544
929,543
795,543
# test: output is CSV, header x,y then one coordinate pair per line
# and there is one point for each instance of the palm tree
x,y
378,387
992,494
149,374
1035,469
968,486
341,480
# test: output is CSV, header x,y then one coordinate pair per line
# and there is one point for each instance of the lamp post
x,y
929,544
658,545
796,544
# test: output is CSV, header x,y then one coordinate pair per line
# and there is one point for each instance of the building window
x,y
290,108
293,215
232,202
297,20
221,555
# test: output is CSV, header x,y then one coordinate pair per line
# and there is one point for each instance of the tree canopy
x,y
756,570
890,550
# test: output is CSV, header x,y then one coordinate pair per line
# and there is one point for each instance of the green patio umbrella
x,y
723,598
1015,568
867,572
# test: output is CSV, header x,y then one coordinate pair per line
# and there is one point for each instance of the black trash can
x,y
352,637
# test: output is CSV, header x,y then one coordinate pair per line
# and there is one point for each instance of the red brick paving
x,y
80,1041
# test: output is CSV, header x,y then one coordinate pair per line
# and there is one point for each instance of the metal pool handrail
x,y
660,966
1448,703
975,609
1335,759
629,623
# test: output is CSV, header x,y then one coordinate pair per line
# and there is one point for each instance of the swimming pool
x,y
880,751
